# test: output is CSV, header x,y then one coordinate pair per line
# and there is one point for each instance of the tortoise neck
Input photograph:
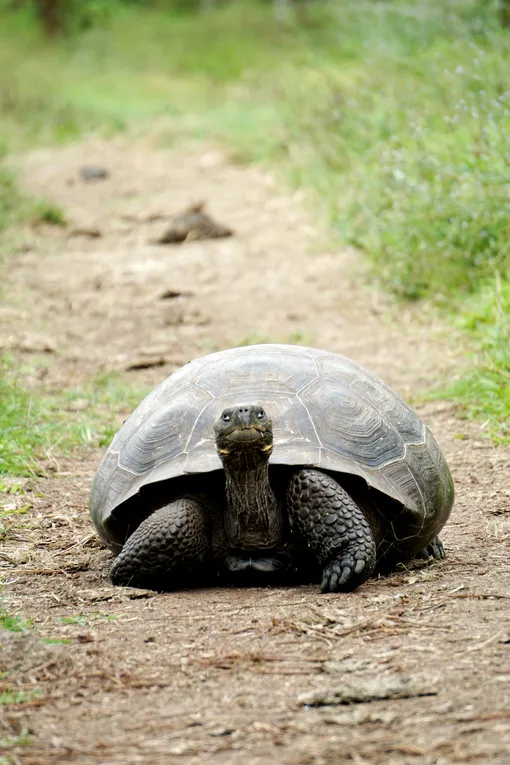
x,y
254,518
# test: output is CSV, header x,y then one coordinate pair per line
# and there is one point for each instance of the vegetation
x,y
17,208
13,623
10,199
394,116
484,392
88,618
12,696
33,426
10,742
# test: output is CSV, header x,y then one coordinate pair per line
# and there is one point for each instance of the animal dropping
x,y
191,225
270,464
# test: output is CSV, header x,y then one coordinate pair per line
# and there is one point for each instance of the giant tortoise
x,y
270,463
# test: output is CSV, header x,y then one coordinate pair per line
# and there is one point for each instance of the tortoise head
x,y
244,430
253,519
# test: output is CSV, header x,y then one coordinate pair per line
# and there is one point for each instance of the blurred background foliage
x,y
393,116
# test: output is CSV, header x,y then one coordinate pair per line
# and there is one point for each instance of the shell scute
x,y
391,407
244,374
164,433
350,428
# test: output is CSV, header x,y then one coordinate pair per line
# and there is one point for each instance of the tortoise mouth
x,y
246,434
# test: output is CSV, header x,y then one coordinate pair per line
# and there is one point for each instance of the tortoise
x,y
270,464
193,224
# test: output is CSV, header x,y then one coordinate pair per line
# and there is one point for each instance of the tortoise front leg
x,y
168,549
334,527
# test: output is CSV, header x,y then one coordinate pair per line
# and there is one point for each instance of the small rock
x,y
222,732
85,637
90,233
160,361
363,689
172,294
91,173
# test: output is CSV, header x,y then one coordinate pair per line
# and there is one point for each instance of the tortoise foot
x,y
334,527
434,549
348,571
167,551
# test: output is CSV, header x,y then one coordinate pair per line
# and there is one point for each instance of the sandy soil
x,y
412,668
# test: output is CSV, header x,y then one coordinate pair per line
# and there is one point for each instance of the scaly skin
x,y
334,527
167,551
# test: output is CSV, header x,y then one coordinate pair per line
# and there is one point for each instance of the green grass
x,y
11,200
484,392
394,117
11,696
144,64
13,623
16,208
9,522
86,619
33,427
10,742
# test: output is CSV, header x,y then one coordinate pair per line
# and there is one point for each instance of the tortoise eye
x,y
225,417
261,414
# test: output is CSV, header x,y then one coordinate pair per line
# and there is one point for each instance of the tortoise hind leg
x,y
168,549
434,549
334,527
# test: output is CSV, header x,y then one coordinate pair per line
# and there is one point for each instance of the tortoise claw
x,y
345,573
434,549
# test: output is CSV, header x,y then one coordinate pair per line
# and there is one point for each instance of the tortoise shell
x,y
327,412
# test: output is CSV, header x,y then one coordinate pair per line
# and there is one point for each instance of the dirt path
x,y
235,676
